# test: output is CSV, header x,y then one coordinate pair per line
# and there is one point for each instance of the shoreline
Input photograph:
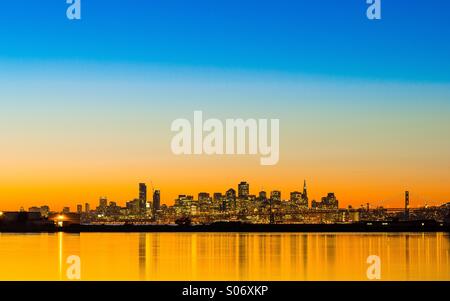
x,y
235,227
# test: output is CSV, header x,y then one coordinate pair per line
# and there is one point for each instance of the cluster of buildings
x,y
233,205
140,208
239,202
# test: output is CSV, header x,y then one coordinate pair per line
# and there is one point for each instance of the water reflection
x,y
221,256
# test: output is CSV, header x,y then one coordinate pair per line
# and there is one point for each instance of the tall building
x,y
231,193
87,208
407,204
217,197
275,196
296,197
142,197
203,196
217,200
133,206
79,209
156,201
184,204
112,209
262,196
305,192
230,200
243,190
328,202
103,202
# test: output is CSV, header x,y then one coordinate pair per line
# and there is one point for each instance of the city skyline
x,y
241,190
236,204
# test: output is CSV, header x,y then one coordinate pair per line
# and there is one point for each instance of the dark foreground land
x,y
376,226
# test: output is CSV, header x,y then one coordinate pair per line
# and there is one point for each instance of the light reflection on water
x,y
225,256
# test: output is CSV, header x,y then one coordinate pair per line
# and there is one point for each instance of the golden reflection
x,y
60,254
225,256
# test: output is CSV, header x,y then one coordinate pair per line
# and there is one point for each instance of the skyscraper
x,y
275,196
304,200
79,209
230,200
142,197
103,202
262,196
296,197
156,201
217,197
305,192
203,196
329,202
243,190
217,200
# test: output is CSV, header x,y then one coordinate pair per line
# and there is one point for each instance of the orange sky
x,y
365,141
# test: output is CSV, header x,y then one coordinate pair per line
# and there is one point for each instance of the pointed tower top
x,y
305,194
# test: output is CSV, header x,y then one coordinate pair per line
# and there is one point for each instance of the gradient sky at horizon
x,y
86,105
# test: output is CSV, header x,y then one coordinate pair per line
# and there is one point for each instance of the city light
x,y
236,205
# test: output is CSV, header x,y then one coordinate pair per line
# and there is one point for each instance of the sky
x,y
86,105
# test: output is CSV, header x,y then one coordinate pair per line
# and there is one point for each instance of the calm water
x,y
214,256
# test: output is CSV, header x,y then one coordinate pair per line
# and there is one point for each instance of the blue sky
x,y
321,38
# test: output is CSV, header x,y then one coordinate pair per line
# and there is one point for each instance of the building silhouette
x,y
243,190
156,201
262,196
142,197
